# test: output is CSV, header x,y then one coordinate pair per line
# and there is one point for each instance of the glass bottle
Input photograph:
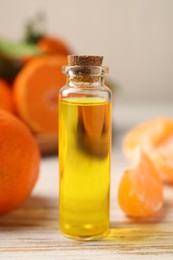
x,y
84,149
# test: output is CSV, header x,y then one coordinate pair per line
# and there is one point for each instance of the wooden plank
x,y
32,230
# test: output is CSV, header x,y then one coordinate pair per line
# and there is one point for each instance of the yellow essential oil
x,y
84,159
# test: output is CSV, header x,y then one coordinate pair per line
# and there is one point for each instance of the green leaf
x,y
18,50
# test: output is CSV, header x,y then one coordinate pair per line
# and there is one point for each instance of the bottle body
x,y
84,160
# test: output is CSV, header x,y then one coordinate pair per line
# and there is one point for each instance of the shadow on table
x,y
37,211
138,229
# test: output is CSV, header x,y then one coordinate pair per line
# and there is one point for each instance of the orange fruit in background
x,y
162,157
36,90
140,191
52,45
19,162
6,101
147,136
156,138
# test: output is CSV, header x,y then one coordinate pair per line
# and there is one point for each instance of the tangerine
x,y
52,45
19,162
162,157
6,101
36,91
141,191
147,136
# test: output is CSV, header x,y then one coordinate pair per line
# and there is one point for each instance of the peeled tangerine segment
x,y
162,156
147,136
141,192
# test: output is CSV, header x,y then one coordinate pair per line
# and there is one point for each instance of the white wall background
x,y
135,36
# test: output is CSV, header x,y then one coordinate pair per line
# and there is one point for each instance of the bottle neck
x,y
85,81
85,76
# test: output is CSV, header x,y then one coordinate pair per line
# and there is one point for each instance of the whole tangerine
x,y
6,100
19,162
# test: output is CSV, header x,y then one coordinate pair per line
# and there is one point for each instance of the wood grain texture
x,y
32,231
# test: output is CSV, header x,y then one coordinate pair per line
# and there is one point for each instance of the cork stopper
x,y
84,60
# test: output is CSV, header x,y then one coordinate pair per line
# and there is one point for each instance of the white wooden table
x,y
31,232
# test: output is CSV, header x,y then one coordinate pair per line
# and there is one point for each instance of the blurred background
x,y
135,37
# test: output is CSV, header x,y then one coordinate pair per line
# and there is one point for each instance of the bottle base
x,y
85,237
